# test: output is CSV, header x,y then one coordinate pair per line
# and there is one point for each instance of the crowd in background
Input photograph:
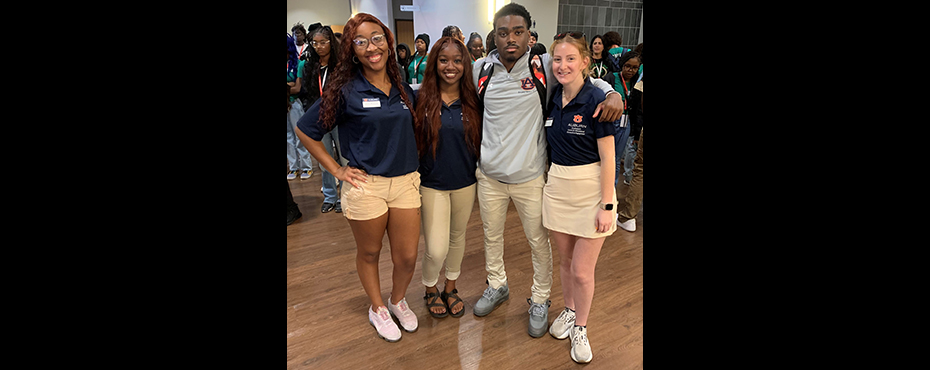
x,y
382,119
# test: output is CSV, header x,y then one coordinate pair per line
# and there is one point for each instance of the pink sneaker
x,y
406,317
384,325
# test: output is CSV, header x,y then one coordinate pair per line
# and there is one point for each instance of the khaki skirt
x,y
571,198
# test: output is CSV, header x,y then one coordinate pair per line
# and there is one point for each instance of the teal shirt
x,y
618,51
419,71
291,77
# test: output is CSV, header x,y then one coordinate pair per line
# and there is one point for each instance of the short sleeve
x,y
309,123
602,129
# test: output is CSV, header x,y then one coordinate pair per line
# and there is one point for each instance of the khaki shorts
x,y
379,194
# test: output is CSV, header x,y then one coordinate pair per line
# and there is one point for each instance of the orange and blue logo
x,y
528,84
578,118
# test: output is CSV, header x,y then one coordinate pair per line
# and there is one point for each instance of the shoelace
x,y
565,317
581,337
490,293
537,309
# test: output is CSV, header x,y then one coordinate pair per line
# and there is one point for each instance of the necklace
x,y
566,98
381,85
450,101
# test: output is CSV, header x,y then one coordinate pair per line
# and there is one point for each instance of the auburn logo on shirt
x,y
528,84
578,118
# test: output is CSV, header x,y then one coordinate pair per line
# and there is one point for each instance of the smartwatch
x,y
606,207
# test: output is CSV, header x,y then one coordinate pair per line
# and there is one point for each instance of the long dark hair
x,y
346,70
428,121
311,91
291,56
626,57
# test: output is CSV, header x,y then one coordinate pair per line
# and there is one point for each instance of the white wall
x,y
381,9
546,15
434,15
472,16
312,11
336,11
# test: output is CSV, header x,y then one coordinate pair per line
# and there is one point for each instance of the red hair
x,y
346,70
428,121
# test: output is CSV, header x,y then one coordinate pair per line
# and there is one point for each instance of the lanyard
x,y
418,65
625,91
321,79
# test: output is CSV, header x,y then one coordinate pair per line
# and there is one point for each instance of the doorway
x,y
405,33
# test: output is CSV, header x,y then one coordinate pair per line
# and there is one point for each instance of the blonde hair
x,y
582,47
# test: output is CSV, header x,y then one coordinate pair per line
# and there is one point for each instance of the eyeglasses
x,y
317,44
577,35
362,43
630,67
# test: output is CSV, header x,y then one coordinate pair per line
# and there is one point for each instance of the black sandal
x,y
430,304
445,298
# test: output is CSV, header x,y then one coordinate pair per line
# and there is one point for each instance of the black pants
x,y
290,197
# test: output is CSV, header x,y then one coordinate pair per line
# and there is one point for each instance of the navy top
x,y
375,130
574,132
454,166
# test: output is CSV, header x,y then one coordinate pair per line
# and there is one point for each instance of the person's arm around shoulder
x,y
611,109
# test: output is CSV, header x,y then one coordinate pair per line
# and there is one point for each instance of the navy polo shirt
x,y
454,166
375,130
574,132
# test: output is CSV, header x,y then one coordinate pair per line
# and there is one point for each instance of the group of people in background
x,y
417,135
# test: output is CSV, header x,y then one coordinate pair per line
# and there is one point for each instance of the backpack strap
x,y
484,77
538,74
539,79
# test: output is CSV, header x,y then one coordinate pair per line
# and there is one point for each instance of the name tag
x,y
371,103
549,122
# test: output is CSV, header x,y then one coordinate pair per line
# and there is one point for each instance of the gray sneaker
x,y
491,299
539,318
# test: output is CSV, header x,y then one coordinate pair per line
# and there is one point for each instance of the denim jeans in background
x,y
330,193
298,157
623,134
629,157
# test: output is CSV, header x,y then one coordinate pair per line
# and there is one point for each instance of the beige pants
x,y
493,199
445,215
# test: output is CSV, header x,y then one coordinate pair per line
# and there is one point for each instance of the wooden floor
x,y
327,309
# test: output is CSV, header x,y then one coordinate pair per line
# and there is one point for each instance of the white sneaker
x,y
291,175
629,225
581,350
562,326
406,317
383,324
305,174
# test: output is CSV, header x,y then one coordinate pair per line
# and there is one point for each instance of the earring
x,y
354,59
